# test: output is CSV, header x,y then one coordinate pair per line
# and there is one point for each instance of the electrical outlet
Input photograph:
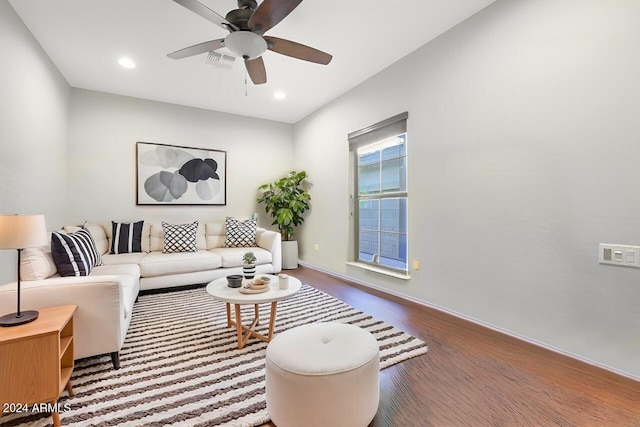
x,y
416,265
316,247
619,255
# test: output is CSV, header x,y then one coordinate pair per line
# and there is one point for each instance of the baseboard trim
x,y
470,319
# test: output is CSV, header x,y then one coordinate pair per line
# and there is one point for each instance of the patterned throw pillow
x,y
126,237
241,234
74,254
180,237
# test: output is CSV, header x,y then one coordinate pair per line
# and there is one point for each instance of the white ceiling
x,y
85,39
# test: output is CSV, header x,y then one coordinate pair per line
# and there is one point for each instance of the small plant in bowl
x,y
249,258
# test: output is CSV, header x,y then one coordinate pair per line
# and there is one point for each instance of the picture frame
x,y
177,175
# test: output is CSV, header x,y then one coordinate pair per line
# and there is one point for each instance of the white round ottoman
x,y
323,374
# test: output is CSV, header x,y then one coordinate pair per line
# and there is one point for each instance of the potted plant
x,y
285,200
249,266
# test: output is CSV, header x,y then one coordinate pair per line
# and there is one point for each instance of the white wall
x,y
524,146
33,130
102,148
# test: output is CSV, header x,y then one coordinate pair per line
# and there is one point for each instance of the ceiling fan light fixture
x,y
245,44
279,95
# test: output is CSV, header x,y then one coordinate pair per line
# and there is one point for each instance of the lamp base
x,y
13,319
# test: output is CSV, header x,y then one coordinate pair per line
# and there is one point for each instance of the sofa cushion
x,y
37,264
240,234
129,275
114,259
179,237
126,237
74,254
232,257
99,236
116,269
159,264
215,234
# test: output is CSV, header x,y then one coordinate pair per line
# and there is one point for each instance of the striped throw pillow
x,y
74,254
126,237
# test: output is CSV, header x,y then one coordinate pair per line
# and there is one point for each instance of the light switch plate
x,y
625,255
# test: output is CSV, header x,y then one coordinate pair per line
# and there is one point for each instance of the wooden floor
x,y
473,376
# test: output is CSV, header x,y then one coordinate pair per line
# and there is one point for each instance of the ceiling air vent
x,y
220,60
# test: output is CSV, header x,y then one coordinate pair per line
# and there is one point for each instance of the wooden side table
x,y
36,361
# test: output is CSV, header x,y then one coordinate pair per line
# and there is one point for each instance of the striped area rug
x,y
181,366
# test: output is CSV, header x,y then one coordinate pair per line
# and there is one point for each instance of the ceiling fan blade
x,y
206,13
269,13
256,70
297,50
197,49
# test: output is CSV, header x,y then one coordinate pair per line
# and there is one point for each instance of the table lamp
x,y
21,232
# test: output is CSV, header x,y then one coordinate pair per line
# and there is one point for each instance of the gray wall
x,y
523,144
102,144
33,130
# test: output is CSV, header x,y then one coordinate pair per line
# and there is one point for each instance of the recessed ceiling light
x,y
279,95
127,62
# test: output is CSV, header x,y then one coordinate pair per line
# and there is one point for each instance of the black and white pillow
x,y
126,237
241,234
74,254
180,237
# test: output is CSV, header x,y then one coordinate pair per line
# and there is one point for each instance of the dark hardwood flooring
x,y
474,376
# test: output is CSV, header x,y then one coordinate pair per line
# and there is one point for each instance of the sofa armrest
x,y
99,319
271,241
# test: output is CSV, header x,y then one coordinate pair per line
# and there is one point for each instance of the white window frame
x,y
391,127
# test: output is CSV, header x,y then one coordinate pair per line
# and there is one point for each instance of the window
x,y
380,194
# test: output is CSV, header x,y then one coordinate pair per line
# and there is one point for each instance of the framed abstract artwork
x,y
175,175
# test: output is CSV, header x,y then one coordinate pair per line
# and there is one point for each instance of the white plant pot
x,y
289,254
249,271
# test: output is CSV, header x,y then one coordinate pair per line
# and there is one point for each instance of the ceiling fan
x,y
247,26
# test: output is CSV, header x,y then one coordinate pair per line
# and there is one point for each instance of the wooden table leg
x,y
55,416
69,389
256,313
272,318
250,330
238,325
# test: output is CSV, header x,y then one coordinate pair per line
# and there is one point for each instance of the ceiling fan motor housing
x,y
247,4
240,18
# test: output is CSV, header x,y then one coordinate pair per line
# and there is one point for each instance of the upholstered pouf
x,y
323,374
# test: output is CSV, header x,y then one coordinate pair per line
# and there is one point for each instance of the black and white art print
x,y
174,175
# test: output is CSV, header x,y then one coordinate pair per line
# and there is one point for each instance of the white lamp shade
x,y
22,231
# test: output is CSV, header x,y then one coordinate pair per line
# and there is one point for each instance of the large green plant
x,y
285,200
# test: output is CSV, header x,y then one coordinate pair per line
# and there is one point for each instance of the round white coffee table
x,y
219,290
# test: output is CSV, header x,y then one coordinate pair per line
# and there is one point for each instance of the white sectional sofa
x,y
106,297
211,261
